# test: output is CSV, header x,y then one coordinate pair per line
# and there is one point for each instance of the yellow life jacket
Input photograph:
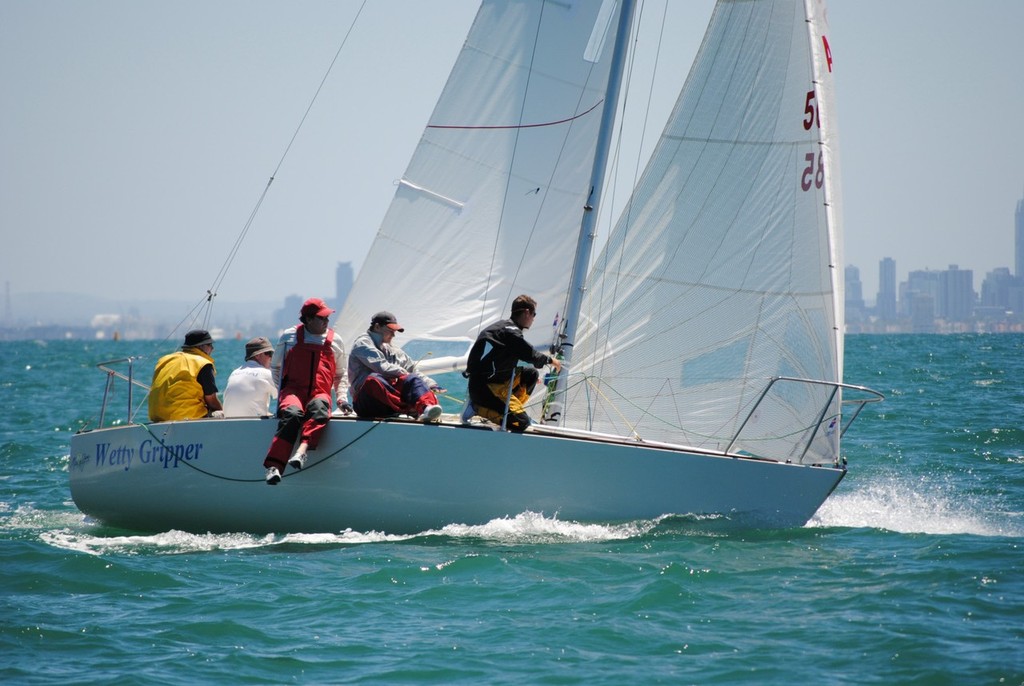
x,y
176,394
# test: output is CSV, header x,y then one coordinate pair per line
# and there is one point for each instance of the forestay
x,y
722,272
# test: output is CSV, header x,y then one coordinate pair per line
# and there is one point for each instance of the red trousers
x,y
293,417
383,397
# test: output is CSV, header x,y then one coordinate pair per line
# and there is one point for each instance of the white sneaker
x,y
273,476
431,414
298,460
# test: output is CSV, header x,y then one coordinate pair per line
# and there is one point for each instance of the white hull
x,y
404,477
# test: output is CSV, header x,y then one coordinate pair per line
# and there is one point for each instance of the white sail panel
x,y
719,274
821,51
490,204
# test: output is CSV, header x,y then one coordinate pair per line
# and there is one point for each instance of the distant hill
x,y
77,310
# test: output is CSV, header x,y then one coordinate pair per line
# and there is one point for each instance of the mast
x,y
585,242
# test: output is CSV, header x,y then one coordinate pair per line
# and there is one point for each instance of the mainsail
x,y
722,271
490,204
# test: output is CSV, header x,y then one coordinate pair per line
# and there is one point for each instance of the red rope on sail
x,y
518,126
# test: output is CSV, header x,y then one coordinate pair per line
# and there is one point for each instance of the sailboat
x,y
702,346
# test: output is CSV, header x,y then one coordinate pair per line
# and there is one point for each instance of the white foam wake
x,y
525,528
916,507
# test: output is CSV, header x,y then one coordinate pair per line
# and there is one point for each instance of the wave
x,y
916,507
525,528
902,505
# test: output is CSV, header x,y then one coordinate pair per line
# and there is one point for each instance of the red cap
x,y
315,307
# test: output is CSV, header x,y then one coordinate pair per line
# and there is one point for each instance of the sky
x,y
137,138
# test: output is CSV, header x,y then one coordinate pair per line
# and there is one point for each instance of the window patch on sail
x,y
421,349
806,342
436,196
599,35
714,366
792,394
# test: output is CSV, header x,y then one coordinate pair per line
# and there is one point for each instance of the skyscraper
x,y
995,289
919,296
1018,248
885,303
343,278
956,294
854,299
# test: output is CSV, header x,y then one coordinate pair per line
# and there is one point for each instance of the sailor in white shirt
x,y
251,387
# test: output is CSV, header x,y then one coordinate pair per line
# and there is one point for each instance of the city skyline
x,y
886,304
935,301
888,269
135,124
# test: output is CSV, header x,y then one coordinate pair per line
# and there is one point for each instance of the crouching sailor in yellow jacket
x,y
184,382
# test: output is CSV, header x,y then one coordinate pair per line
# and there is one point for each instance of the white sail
x,y
721,272
490,204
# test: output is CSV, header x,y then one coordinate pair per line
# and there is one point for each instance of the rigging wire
x,y
580,111
626,212
203,308
211,293
312,464
508,179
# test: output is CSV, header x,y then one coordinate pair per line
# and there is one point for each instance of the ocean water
x,y
912,573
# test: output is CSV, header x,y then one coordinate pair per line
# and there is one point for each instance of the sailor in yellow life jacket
x,y
184,382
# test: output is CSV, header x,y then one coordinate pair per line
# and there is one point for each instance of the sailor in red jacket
x,y
309,361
